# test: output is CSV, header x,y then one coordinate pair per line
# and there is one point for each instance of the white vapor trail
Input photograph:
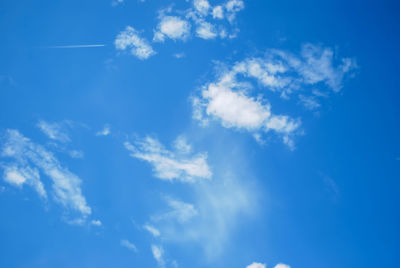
x,y
77,46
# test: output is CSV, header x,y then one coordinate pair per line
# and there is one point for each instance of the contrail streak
x,y
77,46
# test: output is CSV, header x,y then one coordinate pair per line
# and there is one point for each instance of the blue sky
x,y
199,133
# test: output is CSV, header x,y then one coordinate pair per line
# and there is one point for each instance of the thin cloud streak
x,y
76,46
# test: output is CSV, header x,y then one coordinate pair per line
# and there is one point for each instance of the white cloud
x,y
262,265
130,39
226,100
256,265
315,64
172,27
125,243
179,211
202,6
309,102
65,185
55,131
151,229
206,30
170,165
217,209
318,66
281,265
235,109
218,12
96,223
209,21
158,254
233,7
116,2
179,55
181,145
104,132
20,175
76,154
235,100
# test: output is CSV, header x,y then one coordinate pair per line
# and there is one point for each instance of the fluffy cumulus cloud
x,y
177,164
24,161
202,6
206,30
227,101
236,99
131,39
172,27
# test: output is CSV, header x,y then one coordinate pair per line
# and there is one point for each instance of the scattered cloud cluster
x,y
207,21
131,39
27,161
201,19
177,164
235,99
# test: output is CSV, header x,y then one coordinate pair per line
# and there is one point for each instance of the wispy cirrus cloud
x,y
215,211
105,131
129,245
177,164
158,254
178,211
152,230
54,130
18,176
26,160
